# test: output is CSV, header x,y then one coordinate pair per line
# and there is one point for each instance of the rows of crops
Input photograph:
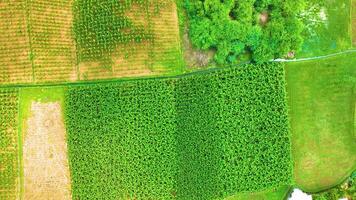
x,y
111,39
15,65
201,136
134,38
53,49
9,179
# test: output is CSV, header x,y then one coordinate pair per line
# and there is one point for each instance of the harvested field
x,y
46,169
52,42
15,64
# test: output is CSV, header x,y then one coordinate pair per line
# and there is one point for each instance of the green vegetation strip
x,y
9,155
203,136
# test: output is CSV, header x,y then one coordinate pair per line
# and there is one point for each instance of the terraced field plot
x,y
9,148
322,103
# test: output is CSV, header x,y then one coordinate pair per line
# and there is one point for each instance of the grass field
x,y
9,146
279,193
327,27
322,104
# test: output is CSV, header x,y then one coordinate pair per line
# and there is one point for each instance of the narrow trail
x,y
315,57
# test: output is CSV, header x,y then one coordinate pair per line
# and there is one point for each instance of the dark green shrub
x,y
233,28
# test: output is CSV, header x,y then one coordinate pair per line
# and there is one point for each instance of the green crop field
x,y
9,155
160,129
321,96
328,28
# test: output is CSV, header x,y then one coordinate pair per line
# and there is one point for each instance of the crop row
x,y
8,144
200,136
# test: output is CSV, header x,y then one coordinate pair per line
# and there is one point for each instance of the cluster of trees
x,y
101,25
8,143
199,136
264,29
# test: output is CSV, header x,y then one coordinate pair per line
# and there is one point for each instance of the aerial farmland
x,y
177,99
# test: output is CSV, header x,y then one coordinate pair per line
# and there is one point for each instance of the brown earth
x,y
46,170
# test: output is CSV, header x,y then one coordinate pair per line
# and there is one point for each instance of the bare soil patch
x,y
46,169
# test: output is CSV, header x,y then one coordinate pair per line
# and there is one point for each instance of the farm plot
x,y
9,148
201,136
45,164
15,64
327,27
142,40
53,49
322,100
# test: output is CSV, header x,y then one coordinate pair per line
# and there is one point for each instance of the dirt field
x,y
15,64
52,42
46,170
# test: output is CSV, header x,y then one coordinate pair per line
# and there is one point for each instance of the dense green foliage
x,y
233,131
200,136
8,143
121,140
100,25
234,28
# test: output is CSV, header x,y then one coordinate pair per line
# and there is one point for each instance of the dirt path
x,y
46,170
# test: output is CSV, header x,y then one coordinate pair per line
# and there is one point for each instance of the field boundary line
x,y
315,57
28,27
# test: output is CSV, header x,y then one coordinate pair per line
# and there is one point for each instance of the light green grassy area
x,y
328,28
321,97
279,193
27,96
